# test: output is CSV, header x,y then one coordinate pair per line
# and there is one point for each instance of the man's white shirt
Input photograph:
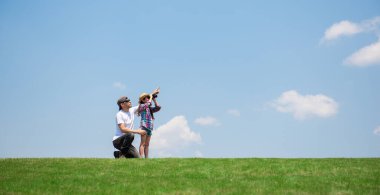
x,y
124,117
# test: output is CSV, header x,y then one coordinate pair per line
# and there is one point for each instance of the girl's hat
x,y
143,96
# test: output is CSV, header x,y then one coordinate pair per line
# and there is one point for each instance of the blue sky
x,y
237,78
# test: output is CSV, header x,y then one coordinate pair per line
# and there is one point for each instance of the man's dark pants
x,y
124,144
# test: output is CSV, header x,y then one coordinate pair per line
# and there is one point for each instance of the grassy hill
x,y
189,176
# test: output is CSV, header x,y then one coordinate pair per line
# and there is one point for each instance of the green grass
x,y
190,176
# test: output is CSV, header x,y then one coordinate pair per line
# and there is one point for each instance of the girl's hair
x,y
138,110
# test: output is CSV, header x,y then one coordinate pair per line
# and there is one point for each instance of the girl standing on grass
x,y
146,112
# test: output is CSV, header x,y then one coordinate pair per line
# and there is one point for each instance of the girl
x,y
146,112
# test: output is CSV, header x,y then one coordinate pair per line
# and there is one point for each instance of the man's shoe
x,y
116,154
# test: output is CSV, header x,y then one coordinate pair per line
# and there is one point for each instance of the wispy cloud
x,y
343,28
366,56
304,106
377,130
234,112
172,137
207,121
198,154
119,85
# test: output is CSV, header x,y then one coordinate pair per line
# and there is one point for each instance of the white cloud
x,y
234,112
348,28
207,121
377,131
304,106
343,28
366,56
119,85
170,138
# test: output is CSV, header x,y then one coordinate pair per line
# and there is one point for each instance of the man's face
x,y
126,104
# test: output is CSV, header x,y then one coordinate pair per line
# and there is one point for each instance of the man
x,y
124,134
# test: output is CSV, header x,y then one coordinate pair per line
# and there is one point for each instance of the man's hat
x,y
123,99
143,96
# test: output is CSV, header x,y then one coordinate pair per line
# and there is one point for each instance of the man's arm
x,y
127,130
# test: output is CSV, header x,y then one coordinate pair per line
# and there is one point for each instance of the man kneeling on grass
x,y
124,133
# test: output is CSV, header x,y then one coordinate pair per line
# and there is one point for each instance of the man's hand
x,y
141,132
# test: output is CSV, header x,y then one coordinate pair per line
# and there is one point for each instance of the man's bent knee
x,y
130,136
